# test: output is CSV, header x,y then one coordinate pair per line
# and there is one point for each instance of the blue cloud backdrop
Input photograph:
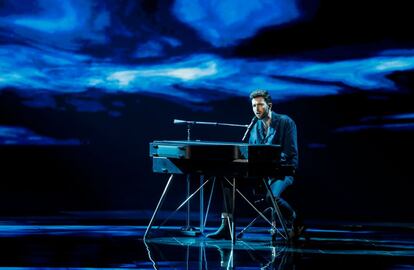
x,y
174,49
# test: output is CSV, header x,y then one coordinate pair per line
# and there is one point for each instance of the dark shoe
x,y
223,232
298,229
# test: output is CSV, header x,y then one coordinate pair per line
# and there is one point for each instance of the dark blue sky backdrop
x,y
112,75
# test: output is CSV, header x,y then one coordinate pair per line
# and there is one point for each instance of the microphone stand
x,y
188,229
249,128
189,123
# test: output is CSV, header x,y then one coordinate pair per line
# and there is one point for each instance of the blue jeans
x,y
277,187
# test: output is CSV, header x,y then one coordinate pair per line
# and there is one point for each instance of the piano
x,y
217,159
212,158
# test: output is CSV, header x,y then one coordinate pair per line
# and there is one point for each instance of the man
x,y
271,128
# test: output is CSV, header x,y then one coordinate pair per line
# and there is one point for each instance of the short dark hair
x,y
261,93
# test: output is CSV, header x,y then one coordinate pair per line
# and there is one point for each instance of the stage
x,y
51,242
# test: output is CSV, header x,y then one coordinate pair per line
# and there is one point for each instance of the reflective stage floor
x,y
338,246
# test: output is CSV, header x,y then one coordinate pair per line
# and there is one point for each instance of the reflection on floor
x,y
377,246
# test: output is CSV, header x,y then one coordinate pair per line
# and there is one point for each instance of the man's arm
x,y
289,142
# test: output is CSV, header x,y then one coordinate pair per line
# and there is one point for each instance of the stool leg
x,y
277,210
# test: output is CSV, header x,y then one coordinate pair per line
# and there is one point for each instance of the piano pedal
x,y
190,231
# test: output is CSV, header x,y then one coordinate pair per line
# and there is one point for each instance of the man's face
x,y
260,108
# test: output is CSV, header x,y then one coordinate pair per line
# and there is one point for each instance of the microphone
x,y
182,122
249,127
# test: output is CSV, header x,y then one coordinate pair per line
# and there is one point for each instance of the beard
x,y
263,115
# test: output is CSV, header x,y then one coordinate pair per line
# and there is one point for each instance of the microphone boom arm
x,y
186,122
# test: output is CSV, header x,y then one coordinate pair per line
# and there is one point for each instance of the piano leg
x,y
209,202
233,227
188,227
254,208
201,205
192,232
160,202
